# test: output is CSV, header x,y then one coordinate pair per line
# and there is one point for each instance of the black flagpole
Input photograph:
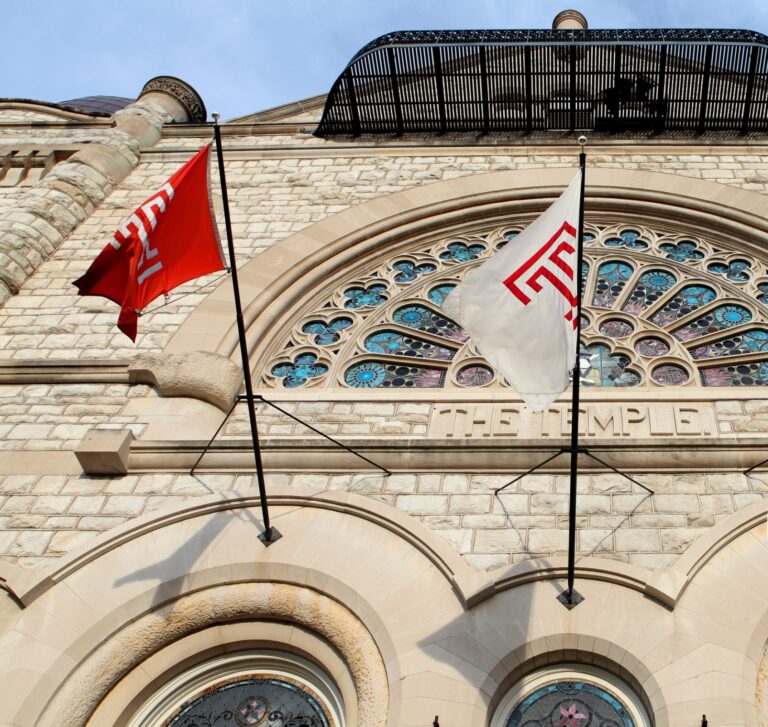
x,y
571,597
270,534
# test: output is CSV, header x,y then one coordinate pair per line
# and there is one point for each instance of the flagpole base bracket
x,y
570,599
270,536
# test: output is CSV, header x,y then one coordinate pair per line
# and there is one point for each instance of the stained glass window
x,y
649,288
718,319
408,271
475,376
616,328
670,375
651,346
746,374
364,297
612,276
264,701
303,367
646,293
681,251
755,341
584,276
736,271
440,292
571,704
628,239
423,319
327,334
511,235
459,252
376,374
687,300
398,344
601,368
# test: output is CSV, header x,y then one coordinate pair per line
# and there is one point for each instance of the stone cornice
x,y
64,372
201,375
410,454
90,371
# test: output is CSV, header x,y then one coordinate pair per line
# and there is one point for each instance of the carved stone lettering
x,y
598,420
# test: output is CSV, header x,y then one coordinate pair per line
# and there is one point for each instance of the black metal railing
x,y
523,80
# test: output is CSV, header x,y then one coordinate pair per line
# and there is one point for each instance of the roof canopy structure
x,y
553,80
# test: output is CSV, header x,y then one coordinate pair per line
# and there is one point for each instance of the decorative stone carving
x,y
199,374
182,92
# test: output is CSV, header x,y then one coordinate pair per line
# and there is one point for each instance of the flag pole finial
x,y
215,115
582,141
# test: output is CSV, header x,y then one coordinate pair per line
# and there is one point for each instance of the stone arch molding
x,y
280,603
564,649
106,610
276,281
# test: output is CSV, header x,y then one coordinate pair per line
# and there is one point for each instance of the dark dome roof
x,y
97,105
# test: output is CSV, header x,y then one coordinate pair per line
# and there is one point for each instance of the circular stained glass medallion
x,y
732,315
571,704
251,710
651,346
616,328
366,375
475,376
670,375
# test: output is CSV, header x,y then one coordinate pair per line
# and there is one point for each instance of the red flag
x,y
167,241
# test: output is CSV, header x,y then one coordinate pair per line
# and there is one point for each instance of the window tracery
x,y
571,704
268,700
571,696
263,687
660,309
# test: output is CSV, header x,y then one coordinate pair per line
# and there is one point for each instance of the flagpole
x,y
571,598
270,534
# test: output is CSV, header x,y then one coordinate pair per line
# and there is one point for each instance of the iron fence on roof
x,y
542,80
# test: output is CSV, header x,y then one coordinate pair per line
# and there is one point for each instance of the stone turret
x,y
54,207
569,20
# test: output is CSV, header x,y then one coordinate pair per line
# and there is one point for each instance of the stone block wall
x,y
43,517
278,186
46,417
271,198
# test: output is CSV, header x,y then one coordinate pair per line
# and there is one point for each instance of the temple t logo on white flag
x,y
520,306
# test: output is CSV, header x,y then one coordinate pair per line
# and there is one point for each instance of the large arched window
x,y
661,309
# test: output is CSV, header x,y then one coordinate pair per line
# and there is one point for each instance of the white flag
x,y
519,307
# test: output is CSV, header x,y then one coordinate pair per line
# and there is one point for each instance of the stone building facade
x,y
136,589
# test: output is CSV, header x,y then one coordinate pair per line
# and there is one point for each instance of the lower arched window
x,y
571,696
268,689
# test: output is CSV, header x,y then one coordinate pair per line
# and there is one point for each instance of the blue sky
x,y
248,55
